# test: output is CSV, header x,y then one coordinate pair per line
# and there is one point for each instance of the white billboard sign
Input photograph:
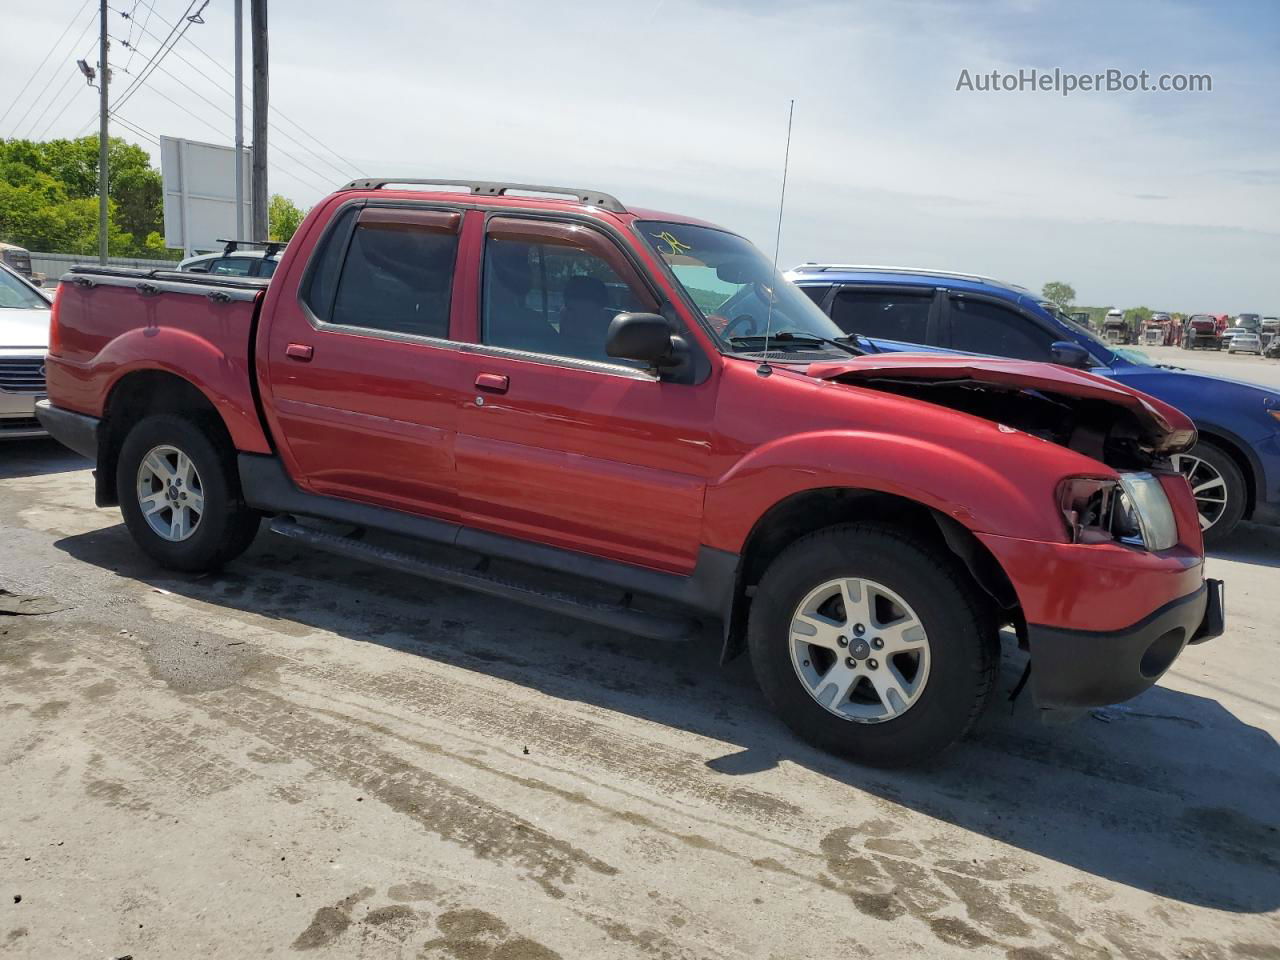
x,y
200,194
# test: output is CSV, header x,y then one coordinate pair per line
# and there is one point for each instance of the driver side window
x,y
554,289
981,327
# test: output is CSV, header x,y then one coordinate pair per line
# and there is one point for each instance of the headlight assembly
x,y
1133,510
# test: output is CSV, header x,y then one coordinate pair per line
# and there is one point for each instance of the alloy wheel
x,y
170,493
1207,485
860,650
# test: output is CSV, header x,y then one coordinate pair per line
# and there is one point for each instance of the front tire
x,y
1218,486
180,495
873,643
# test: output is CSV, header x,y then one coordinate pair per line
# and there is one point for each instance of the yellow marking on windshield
x,y
676,247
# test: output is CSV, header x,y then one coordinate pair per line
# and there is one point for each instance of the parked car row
x,y
640,403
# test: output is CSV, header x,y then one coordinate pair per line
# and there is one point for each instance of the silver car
x,y
24,341
1245,341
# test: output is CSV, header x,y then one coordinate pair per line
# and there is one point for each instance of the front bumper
x,y
74,430
1079,668
18,415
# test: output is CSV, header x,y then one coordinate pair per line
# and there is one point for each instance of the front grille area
x,y
19,425
22,374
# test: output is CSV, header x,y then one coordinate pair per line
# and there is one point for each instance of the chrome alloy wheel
x,y
170,493
860,650
1207,485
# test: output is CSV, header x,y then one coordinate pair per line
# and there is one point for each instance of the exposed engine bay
x,y
1096,428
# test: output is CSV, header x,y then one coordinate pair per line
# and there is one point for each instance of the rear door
x,y
557,442
362,373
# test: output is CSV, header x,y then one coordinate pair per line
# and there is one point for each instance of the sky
x,y
1164,199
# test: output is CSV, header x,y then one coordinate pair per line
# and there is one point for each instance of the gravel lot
x,y
304,754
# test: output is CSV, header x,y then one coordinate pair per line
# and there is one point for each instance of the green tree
x,y
1061,295
283,217
49,197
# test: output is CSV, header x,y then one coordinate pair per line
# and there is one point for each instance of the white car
x,y
1245,341
24,341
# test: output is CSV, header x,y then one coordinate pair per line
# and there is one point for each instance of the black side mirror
x,y
199,268
1070,354
644,337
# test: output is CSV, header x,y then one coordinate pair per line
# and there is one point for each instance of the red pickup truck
x,y
543,379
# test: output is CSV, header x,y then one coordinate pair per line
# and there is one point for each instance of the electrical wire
x,y
65,30
156,57
349,167
136,129
40,96
58,116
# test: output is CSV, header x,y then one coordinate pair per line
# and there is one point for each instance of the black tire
x,y
227,526
1237,490
956,615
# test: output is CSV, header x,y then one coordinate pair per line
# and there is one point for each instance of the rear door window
x,y
884,314
398,273
981,327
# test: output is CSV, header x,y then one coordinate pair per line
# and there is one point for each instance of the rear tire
x,y
168,465
926,581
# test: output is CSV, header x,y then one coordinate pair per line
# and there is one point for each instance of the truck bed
x,y
114,320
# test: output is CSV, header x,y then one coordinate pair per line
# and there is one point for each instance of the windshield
x,y
15,293
737,289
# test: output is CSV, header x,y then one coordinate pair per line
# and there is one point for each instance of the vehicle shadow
x,y
1170,794
35,457
1251,543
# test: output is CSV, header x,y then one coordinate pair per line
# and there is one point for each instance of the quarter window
x,y
554,288
981,327
883,314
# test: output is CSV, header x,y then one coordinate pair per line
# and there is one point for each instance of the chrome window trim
x,y
556,360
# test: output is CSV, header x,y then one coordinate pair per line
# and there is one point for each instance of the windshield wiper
x,y
800,339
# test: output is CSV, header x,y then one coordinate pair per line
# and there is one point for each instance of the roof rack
x,y
914,271
269,247
494,188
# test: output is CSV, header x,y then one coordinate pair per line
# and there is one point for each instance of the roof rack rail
x,y
811,267
494,188
269,247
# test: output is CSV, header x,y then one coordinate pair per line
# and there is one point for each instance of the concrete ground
x,y
307,755
1238,366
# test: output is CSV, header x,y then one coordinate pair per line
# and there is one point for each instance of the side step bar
x,y
619,617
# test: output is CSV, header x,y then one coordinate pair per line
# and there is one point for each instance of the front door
x,y
559,443
364,379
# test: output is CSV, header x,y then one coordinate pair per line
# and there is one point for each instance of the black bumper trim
x,y
75,430
1077,668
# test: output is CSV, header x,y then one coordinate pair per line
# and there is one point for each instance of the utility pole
x,y
240,232
103,73
258,24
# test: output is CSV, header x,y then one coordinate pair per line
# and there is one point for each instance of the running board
x,y
615,615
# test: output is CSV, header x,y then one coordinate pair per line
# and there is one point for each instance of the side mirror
x,y
644,337
1070,354
198,268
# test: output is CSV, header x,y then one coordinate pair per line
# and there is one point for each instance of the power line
x,y
136,129
65,30
40,96
58,116
159,55
345,171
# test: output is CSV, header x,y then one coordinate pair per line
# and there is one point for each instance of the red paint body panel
x,y
627,468
107,332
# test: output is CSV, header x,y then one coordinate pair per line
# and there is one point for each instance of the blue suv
x,y
1234,470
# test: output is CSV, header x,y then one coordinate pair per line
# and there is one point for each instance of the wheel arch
x,y
142,393
808,511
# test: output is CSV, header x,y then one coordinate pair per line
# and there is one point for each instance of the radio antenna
x,y
764,369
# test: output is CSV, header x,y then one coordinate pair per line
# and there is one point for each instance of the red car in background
x,y
546,378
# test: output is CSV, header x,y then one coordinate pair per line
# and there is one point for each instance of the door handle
x,y
492,383
299,351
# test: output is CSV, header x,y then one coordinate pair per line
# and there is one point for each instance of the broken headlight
x,y
1132,510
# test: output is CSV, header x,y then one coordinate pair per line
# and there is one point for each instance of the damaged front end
x,y
1128,431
